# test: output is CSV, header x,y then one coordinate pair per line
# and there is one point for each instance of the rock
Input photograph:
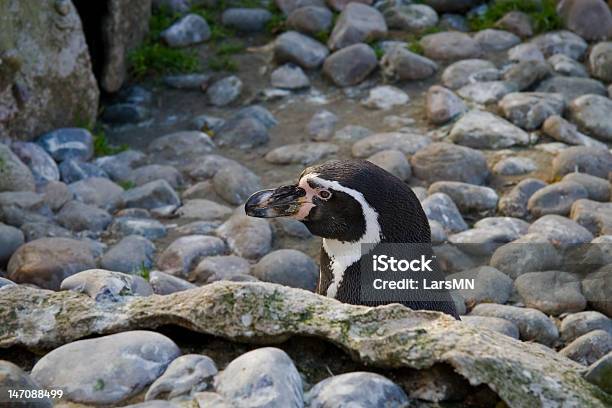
x,y
564,65
224,91
289,76
11,238
352,133
77,216
591,113
152,172
529,110
492,40
480,242
288,267
578,324
185,374
132,254
118,165
561,231
246,19
68,143
261,376
484,130
189,30
321,126
43,66
56,194
449,162
486,92
598,189
600,60
464,72
300,49
441,208
589,347
406,143
412,18
526,74
16,176
236,183
301,153
533,325
205,123
517,23
165,284
597,289
73,171
572,87
243,133
125,113
36,230
357,388
148,228
247,237
46,262
455,22
561,42
39,162
450,46
491,286
199,228
77,316
522,256
552,292
515,227
14,378
452,6
358,23
443,105
310,20
99,192
590,160
182,144
350,65
151,195
514,166
184,253
208,166
502,326
467,197
566,132
103,285
400,64
204,210
385,97
187,81
82,371
599,373
592,215
556,198
525,52
224,267
394,162
590,19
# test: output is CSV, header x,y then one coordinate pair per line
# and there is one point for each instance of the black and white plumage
x,y
349,203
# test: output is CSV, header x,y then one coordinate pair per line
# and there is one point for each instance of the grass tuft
x,y
276,24
222,63
544,16
102,147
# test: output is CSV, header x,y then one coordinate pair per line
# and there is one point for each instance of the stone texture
x,y
132,254
598,189
450,46
99,192
561,42
350,65
301,153
247,237
439,207
151,195
592,215
466,71
189,30
484,130
181,256
394,162
39,162
590,19
449,162
182,145
592,115
311,20
103,285
591,160
572,87
288,267
400,64
14,378
563,131
600,60
407,143
185,374
300,49
529,110
247,20
358,23
552,292
16,176
467,197
561,231
77,216
578,324
589,347
600,373
412,18
443,105
556,198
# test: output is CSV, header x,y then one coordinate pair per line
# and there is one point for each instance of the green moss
x,y
229,47
222,63
544,16
102,147
276,24
321,36
99,385
144,272
416,47
378,50
127,184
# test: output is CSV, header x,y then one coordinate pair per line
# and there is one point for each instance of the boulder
x,y
600,60
189,30
310,20
552,292
590,19
561,42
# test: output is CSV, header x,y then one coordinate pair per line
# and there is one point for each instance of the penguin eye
x,y
324,194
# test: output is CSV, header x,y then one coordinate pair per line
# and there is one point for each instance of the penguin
x,y
357,208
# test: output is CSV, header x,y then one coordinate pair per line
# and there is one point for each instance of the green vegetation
x,y
229,47
222,63
144,272
99,385
416,47
126,184
277,23
321,36
544,16
102,147
378,50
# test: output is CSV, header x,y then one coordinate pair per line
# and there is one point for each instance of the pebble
x,y
72,171
105,285
77,216
118,165
301,153
564,65
125,113
205,210
350,65
288,267
247,237
561,42
467,197
600,60
40,163
36,230
407,143
288,6
224,91
351,133
464,72
300,49
443,105
484,130
552,292
561,231
562,130
525,52
189,30
514,227
132,254
449,162
311,20
491,286
492,40
572,87
236,183
441,208
400,64
289,76
591,113
589,347
412,18
450,46
496,324
99,192
68,143
597,188
556,198
11,238
514,166
357,23
526,74
591,160
321,126
590,19
385,97
146,227
516,22
394,162
184,375
597,289
486,92
181,145
578,324
145,174
592,215
528,254
529,110
243,133
151,195
222,267
184,253
246,19
165,284
600,373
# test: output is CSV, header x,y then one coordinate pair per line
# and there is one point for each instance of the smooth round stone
x,y
288,267
502,326
600,60
289,76
578,324
385,97
16,176
525,52
224,91
394,162
259,113
301,153
486,92
522,256
125,113
400,64
5,283
292,228
104,285
40,163
561,42
443,105
243,133
563,131
351,133
529,110
598,189
561,231
491,40
236,183
35,230
407,143
189,30
118,165
552,292
413,18
491,286
321,126
99,192
11,238
480,241
145,174
592,215
556,198
590,19
72,171
165,284
130,255
199,228
484,130
572,87
450,46
351,65
594,161
181,145
358,23
455,22
183,254
288,6
592,115
68,143
515,227
564,65
300,49
463,72
438,235
467,197
514,203
152,195
148,228
516,22
600,373
449,162
215,268
247,237
14,378
205,210
77,216
184,374
441,208
311,20
589,347
206,123
82,370
187,81
246,19
514,166
597,289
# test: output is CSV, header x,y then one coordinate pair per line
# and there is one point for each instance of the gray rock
x,y
443,105
187,81
118,165
484,130
11,238
321,126
514,166
491,286
39,162
181,256
552,292
224,91
36,230
561,231
289,76
600,373
246,19
350,65
185,374
564,65
82,371
590,160
351,133
165,284
189,30
529,110
301,153
407,143
310,20
146,174
438,236
224,267
600,60
125,113
204,210
243,133
385,97
572,87
181,145
450,46
56,194
72,171
151,195
590,19
522,256
591,113
247,237
14,378
492,40
105,285
77,216
394,162
467,197
288,267
481,242
578,324
357,23
566,132
68,143
597,290
132,254
455,22
466,71
516,22
533,325
99,192
199,228
502,326
288,6
300,49
589,347
412,18
556,198
598,189
446,161
236,183
400,64
358,389
486,92
515,227
16,176
525,52
441,208
526,74
592,215
146,227
211,399
561,42
206,123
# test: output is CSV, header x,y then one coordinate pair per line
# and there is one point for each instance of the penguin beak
x,y
284,201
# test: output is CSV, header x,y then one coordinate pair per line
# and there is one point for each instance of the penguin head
x,y
344,200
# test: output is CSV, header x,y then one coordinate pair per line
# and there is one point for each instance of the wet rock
x,y
591,113
491,286
310,20
184,253
152,172
600,373
288,267
46,262
68,143
358,388
77,216
132,254
184,375
502,326
561,231
104,285
224,91
236,183
11,238
492,40
148,228
394,162
590,19
14,378
412,18
449,162
151,195
16,176
441,208
578,324
39,162
556,198
125,113
592,215
525,52
99,192
464,72
484,130
300,49
467,197
400,64
525,255
82,371
358,23
247,237
187,81
597,290
589,347
224,267
514,166
572,87
246,19
321,126
600,60
443,105
165,284
594,161
598,189
552,292
562,130
350,65
118,165
385,97
189,30
564,65
450,46
243,133
302,153
182,144
561,42
73,171
533,325
529,110
289,76
486,92
204,210
517,23
262,376
406,143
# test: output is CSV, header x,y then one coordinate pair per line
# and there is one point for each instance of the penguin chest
x,y
339,269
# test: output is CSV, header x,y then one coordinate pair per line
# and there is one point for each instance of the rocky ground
x,y
504,134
